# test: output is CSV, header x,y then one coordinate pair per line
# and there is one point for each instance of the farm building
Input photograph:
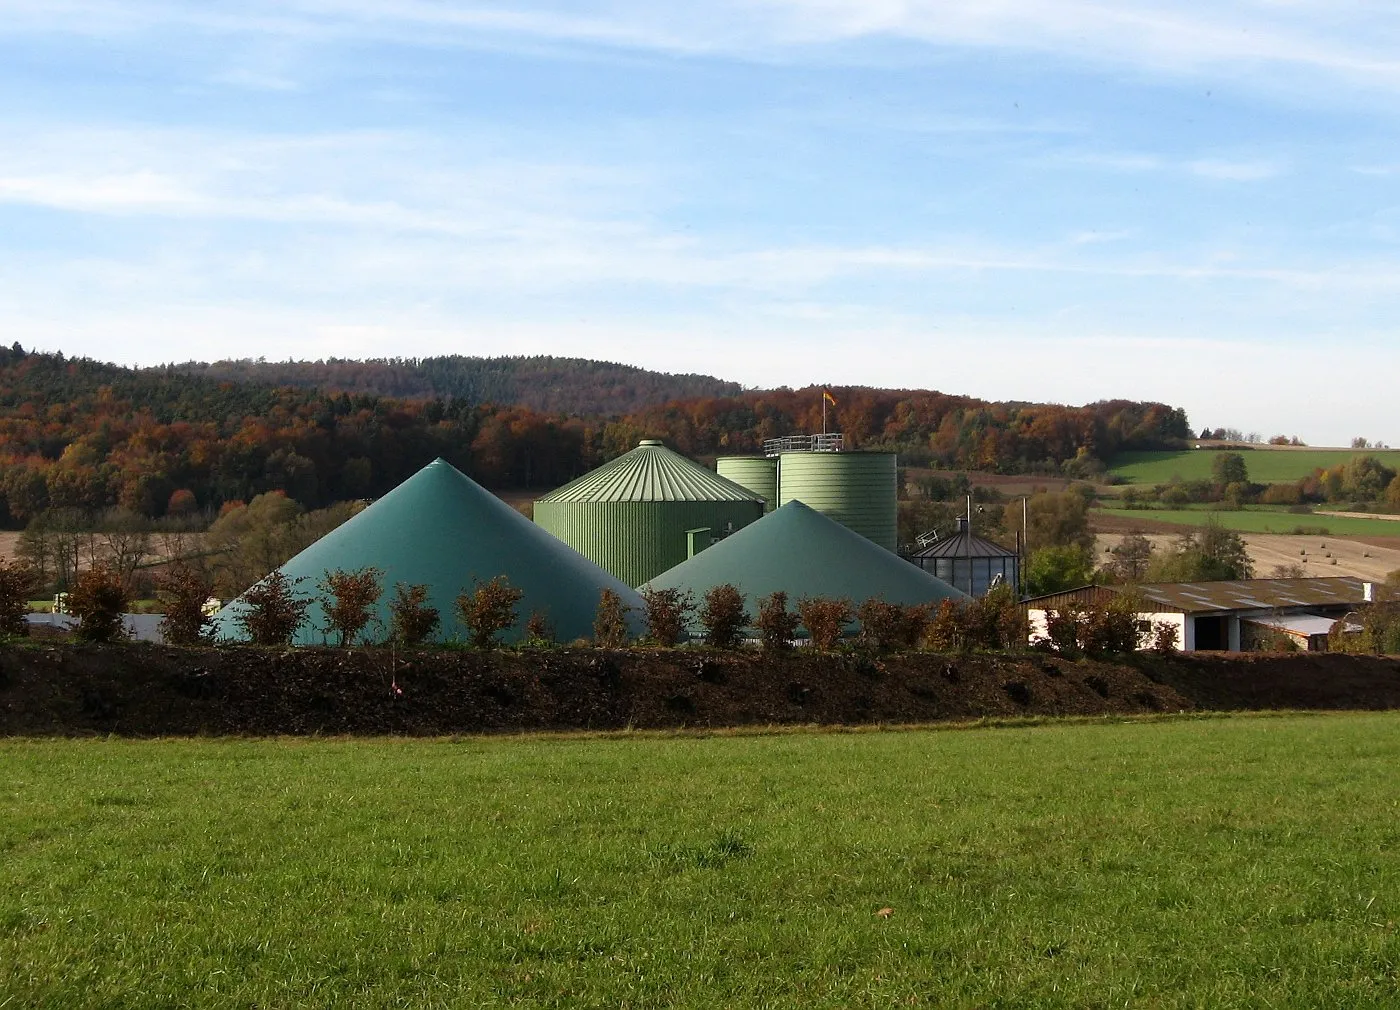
x,y
801,552
442,529
972,563
135,627
646,511
1244,614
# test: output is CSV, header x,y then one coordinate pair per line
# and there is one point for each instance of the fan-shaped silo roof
x,y
651,473
442,529
963,544
798,550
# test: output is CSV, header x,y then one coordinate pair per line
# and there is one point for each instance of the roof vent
x,y
650,441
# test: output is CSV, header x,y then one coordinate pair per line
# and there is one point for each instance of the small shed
x,y
969,562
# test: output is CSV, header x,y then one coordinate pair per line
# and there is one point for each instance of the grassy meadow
x,y
1266,466
1262,519
1178,862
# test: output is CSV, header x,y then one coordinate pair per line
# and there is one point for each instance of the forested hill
x,y
79,434
554,385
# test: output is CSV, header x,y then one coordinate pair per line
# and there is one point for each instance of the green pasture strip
x,y
1237,862
1265,521
1265,466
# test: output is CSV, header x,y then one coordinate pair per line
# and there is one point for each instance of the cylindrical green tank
x,y
757,473
631,516
857,489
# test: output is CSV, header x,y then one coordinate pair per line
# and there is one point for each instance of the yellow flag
x,y
826,395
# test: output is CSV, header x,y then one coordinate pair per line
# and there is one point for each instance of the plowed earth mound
x,y
139,690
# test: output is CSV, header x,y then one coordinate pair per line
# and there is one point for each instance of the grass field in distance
x,y
1266,466
1240,862
1262,520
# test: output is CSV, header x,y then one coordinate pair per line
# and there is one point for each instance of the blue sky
x,y
1061,200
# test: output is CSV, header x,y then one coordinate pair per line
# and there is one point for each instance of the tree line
x,y
1363,481
82,435
541,382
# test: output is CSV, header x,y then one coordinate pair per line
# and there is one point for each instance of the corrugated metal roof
x,y
798,550
1305,625
443,529
1242,594
964,545
1255,594
651,472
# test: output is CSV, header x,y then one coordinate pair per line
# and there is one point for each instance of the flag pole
x,y
823,410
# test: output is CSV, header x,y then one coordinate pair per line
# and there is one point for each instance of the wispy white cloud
x,y
1356,42
1221,168
1235,171
426,214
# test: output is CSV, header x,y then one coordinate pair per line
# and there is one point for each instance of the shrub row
x,y
275,610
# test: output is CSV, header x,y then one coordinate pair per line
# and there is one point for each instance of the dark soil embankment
x,y
1315,680
156,691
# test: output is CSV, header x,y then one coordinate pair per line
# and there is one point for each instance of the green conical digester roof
x,y
798,550
442,529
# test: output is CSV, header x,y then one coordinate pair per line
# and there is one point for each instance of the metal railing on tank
x,y
829,442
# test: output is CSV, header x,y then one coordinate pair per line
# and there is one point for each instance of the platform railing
x,y
828,442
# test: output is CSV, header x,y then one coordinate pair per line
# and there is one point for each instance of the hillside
x,y
82,435
556,385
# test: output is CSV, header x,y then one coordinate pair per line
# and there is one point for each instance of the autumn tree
x,y
539,632
1110,627
411,618
1131,557
1229,468
99,599
249,541
723,617
185,590
272,612
667,613
946,630
825,620
1211,553
17,582
1058,519
353,595
1055,568
124,540
999,619
777,626
610,621
488,609
882,625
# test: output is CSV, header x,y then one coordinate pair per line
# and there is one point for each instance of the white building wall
x,y
1185,632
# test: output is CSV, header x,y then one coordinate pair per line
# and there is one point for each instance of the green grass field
x,y
1265,520
1218,862
1266,466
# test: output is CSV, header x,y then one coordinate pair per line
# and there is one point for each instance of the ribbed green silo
x,y
857,489
757,473
631,516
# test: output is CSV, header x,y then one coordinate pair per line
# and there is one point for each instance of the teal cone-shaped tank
x,y
442,529
803,553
